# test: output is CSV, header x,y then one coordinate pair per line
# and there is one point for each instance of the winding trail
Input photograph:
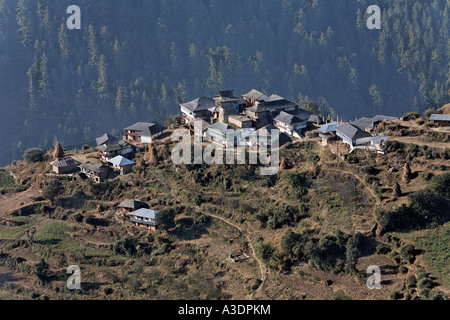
x,y
262,269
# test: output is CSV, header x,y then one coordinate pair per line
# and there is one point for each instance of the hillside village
x,y
248,114
137,166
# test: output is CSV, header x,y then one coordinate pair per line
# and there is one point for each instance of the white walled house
x,y
351,134
289,124
201,108
143,132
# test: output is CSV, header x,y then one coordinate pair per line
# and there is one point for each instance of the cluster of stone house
x,y
260,113
249,113
115,155
357,134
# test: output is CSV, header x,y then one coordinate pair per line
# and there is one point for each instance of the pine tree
x,y
24,23
102,82
33,75
44,77
121,98
62,37
93,46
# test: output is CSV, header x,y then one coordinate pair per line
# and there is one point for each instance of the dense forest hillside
x,y
137,59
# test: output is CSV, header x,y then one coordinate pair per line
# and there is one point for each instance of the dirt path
x,y
262,269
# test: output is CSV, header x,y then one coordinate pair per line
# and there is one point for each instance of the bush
x,y
425,283
265,252
408,253
52,190
395,295
411,116
393,146
165,219
411,282
33,155
403,269
436,295
383,249
426,176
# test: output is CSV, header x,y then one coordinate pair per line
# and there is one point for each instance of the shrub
x,y
52,190
411,116
425,283
314,158
395,295
411,282
33,155
383,249
265,252
408,253
436,295
393,146
426,176
403,269
165,219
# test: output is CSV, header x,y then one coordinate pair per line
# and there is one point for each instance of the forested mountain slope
x,y
137,59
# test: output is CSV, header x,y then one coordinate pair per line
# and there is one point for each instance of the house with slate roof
x,y
265,136
441,120
95,171
144,218
350,134
290,124
64,165
200,108
122,165
143,132
328,133
369,124
111,150
228,104
128,206
218,133
106,139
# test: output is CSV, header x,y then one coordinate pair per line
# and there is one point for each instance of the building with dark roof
x,y
130,205
254,97
265,136
290,124
64,165
369,124
441,120
200,108
106,139
143,132
351,133
218,133
109,151
95,171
